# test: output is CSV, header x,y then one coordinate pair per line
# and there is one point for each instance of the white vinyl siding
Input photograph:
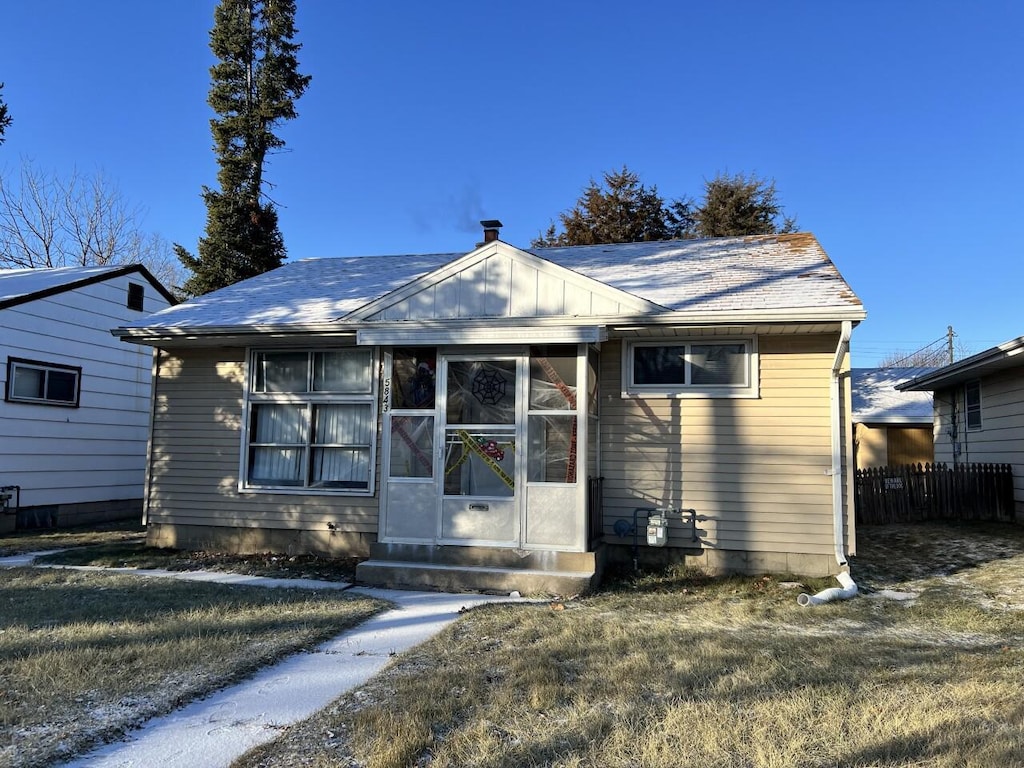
x,y
1002,439
96,452
754,469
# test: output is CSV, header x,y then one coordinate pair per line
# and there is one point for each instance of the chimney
x,y
491,227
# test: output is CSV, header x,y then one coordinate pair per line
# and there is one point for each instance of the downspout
x,y
849,587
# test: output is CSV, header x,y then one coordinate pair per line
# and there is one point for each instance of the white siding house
x,y
74,419
979,410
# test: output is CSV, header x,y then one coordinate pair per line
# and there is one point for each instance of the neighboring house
x,y
890,428
979,410
451,416
74,420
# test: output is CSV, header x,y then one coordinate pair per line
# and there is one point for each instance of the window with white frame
x,y
32,381
972,404
311,420
680,367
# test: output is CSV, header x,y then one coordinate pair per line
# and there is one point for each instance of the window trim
x,y
13,363
309,400
749,389
968,410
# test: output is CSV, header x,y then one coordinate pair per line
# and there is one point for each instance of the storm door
x,y
480,428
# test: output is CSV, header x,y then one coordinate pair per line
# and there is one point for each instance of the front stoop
x,y
478,569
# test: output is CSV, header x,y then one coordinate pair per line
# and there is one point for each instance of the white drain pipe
x,y
849,588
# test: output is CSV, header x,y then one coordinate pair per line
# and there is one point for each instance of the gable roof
x,y
19,286
769,277
997,358
876,399
497,280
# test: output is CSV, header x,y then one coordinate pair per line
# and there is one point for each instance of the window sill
x,y
291,490
691,393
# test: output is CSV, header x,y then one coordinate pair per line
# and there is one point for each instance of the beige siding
x,y
756,470
196,449
1001,437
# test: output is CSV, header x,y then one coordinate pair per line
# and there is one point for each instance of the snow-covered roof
x,y
771,273
876,399
1009,354
20,285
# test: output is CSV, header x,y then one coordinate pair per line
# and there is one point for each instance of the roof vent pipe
x,y
491,227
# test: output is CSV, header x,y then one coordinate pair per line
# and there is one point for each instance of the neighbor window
x,y
136,297
690,367
30,381
972,404
311,420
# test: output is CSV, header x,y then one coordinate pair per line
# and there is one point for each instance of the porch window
x,y
552,424
311,421
972,404
411,410
725,368
31,381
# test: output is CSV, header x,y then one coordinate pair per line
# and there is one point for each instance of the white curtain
x,y
350,427
280,424
342,371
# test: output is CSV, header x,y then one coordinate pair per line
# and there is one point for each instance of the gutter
x,y
155,334
849,587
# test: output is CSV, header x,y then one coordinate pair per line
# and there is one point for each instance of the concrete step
x,y
493,557
400,574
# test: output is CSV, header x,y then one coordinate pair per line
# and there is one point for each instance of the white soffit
x,y
585,334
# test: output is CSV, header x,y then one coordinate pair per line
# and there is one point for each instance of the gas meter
x,y
657,529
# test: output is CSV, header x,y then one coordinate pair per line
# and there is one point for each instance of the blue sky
x,y
894,130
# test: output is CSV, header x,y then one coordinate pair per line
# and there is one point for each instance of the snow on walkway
x,y
212,732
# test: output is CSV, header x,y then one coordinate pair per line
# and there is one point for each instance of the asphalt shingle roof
x,y
18,283
767,272
875,399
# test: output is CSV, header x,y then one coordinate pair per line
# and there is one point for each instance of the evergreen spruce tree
x,y
622,210
254,87
740,205
5,119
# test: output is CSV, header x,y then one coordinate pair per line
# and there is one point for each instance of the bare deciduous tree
x,y
83,220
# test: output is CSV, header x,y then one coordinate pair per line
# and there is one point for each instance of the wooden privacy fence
x,y
915,492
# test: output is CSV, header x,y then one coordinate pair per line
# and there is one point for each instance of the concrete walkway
x,y
212,732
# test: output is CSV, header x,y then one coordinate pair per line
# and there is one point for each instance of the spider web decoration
x,y
489,387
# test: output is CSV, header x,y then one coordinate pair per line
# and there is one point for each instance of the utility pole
x,y
949,340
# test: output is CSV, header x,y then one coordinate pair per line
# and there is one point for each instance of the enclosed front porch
x,y
485,460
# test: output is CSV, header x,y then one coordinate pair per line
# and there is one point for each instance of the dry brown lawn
x,y
925,668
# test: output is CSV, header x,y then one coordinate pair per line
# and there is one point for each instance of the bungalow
x,y
510,419
979,410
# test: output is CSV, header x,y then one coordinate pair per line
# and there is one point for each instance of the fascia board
x,y
996,357
456,335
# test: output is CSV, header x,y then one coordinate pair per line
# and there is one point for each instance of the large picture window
x,y
690,367
311,421
31,381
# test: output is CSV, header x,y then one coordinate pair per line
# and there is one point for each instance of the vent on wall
x,y
136,296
